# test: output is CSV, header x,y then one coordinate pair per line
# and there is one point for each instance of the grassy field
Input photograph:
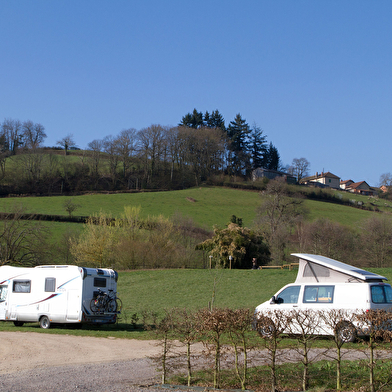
x,y
206,206
157,290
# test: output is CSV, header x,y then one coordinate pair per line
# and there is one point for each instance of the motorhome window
x,y
312,270
318,294
3,293
99,282
21,286
50,285
381,294
289,295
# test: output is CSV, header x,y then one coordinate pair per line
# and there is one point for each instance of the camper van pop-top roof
x,y
315,268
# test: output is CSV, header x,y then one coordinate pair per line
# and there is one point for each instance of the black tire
x,y
111,307
265,327
94,305
18,323
44,322
346,332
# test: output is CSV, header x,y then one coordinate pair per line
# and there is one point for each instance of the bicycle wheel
x,y
111,306
94,305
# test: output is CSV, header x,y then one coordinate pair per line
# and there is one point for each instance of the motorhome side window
x,y
381,294
289,295
21,286
50,285
318,294
100,282
3,293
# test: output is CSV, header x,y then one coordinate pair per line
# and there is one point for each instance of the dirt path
x,y
29,350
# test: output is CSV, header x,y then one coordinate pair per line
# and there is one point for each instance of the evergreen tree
x,y
216,120
258,147
192,120
272,160
238,132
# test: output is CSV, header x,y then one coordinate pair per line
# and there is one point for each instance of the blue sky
x,y
314,75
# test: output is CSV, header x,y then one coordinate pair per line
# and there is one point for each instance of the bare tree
x,y
22,241
11,132
376,324
276,216
95,149
303,324
110,147
239,322
213,324
271,325
300,167
376,239
386,179
127,145
151,141
66,142
341,322
325,237
33,134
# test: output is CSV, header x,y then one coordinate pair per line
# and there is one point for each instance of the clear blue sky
x,y
314,75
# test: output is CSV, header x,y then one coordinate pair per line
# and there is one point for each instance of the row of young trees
x,y
227,338
153,157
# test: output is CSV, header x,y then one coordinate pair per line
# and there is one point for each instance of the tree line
x,y
200,149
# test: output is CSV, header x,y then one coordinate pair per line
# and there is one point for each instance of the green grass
x,y
207,206
157,290
322,377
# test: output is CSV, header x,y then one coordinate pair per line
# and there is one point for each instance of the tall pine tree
x,y
258,147
238,133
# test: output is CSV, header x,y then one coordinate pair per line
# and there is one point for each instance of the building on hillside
x,y
345,184
361,188
261,172
327,180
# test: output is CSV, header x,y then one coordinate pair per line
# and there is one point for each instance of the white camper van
x,y
57,294
326,284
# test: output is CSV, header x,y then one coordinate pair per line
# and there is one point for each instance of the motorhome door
x,y
3,301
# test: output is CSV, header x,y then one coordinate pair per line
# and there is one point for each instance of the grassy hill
x,y
207,206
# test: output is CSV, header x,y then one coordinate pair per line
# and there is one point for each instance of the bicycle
x,y
106,302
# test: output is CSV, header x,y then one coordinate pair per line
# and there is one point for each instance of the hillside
x,y
206,206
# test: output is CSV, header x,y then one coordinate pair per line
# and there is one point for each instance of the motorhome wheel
x,y
44,322
265,327
346,332
18,323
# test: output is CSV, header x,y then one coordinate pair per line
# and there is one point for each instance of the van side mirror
x,y
273,300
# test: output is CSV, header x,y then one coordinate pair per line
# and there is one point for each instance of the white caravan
x,y
55,294
326,284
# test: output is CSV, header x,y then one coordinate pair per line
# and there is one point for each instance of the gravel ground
x,y
64,363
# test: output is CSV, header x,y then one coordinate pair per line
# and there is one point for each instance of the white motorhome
x,y
56,294
326,284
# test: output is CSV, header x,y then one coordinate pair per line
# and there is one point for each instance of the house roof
x,y
346,181
355,185
338,266
320,175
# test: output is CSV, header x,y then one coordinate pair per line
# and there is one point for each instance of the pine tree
x,y
238,132
258,147
272,161
192,120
